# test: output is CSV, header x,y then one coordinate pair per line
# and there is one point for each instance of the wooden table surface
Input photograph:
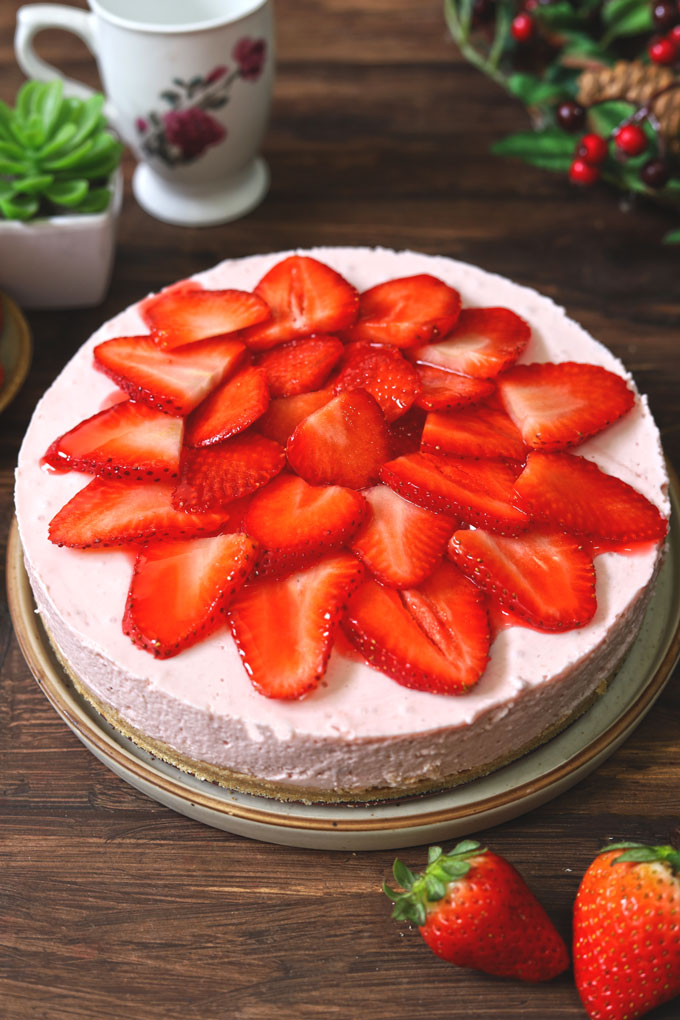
x,y
112,906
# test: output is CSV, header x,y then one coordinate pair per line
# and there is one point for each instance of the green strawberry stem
x,y
639,853
429,887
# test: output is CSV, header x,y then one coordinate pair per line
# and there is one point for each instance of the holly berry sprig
x,y
600,80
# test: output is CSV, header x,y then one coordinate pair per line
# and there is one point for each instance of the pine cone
x,y
637,83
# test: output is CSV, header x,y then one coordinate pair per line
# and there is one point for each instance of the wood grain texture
x,y
111,905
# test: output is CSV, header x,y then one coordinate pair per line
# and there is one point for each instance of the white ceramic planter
x,y
61,261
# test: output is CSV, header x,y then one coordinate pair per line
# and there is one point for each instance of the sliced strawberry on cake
x,y
126,440
171,381
560,405
484,343
382,372
401,543
284,629
447,391
111,512
405,312
295,523
574,495
284,414
544,578
434,638
343,443
185,313
305,297
481,493
211,477
484,431
301,365
231,409
180,591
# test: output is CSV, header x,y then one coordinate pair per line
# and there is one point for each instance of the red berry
x,y
522,28
592,149
655,173
570,116
664,14
630,139
663,51
674,35
583,173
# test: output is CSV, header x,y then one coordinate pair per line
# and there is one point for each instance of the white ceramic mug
x,y
188,86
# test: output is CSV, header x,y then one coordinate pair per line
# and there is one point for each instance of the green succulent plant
x,y
56,154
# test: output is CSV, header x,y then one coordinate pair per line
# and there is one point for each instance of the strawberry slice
x,y
237,403
296,523
126,440
546,579
383,373
174,382
452,612
481,493
108,512
285,413
555,406
284,629
305,296
406,432
180,591
411,310
301,365
401,543
343,443
447,391
573,494
485,342
212,477
484,431
185,313
381,627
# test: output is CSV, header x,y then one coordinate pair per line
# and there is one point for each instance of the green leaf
x,y
672,237
532,90
639,855
34,131
72,158
433,854
32,185
95,201
50,106
403,875
525,144
559,15
19,207
26,98
59,142
580,44
435,888
11,166
11,150
6,189
454,868
90,118
606,117
68,193
466,846
626,17
5,120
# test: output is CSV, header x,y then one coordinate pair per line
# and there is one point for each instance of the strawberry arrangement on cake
x,y
343,524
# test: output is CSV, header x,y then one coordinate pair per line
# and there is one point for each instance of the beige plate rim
x,y
54,684
16,347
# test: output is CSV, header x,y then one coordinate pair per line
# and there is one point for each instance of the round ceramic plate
x,y
505,794
16,349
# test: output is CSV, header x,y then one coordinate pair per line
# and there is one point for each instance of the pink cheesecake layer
x,y
359,729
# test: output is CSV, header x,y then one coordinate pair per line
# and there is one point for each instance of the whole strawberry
x,y
627,931
474,910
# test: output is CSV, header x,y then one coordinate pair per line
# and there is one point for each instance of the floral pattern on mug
x,y
182,133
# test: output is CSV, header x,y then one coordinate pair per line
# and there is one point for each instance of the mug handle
x,y
35,18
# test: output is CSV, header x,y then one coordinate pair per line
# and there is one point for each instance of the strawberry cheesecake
x,y
343,524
